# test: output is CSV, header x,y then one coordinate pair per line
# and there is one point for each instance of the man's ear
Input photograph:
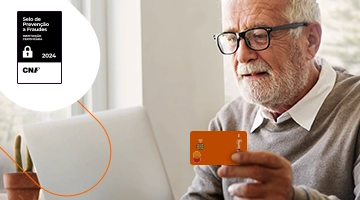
x,y
313,34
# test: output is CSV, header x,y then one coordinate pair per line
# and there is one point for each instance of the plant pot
x,y
19,186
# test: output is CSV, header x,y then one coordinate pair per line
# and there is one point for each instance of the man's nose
x,y
244,54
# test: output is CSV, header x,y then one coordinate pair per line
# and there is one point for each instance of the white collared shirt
x,y
312,101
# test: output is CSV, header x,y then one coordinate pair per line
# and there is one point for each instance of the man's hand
x,y
272,175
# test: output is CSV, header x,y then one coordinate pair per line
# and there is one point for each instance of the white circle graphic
x,y
79,65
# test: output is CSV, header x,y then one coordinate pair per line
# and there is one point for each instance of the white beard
x,y
275,88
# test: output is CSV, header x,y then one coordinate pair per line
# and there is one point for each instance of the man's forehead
x,y
251,13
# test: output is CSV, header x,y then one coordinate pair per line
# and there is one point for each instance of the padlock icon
x,y
27,53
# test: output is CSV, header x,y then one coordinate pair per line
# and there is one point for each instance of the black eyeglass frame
x,y
267,29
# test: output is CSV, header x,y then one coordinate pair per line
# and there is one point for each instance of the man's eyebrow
x,y
257,25
231,29
260,25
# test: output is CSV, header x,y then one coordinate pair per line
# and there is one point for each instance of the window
x,y
12,120
341,33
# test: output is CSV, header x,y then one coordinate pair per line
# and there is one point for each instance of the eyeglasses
x,y
256,39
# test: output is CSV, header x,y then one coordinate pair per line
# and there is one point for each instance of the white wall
x,y
183,85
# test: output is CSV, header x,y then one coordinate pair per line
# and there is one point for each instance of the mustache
x,y
251,68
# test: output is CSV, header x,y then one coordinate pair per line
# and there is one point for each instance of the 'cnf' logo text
x,y
31,69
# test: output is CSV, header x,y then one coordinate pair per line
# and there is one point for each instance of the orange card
x,y
216,147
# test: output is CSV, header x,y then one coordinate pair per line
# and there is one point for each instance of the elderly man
x,y
302,116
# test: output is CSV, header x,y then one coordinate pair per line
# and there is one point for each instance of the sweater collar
x,y
312,101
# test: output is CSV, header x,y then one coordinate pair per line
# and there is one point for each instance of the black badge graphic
x,y
39,47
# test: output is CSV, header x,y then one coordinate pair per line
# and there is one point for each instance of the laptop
x,y
71,155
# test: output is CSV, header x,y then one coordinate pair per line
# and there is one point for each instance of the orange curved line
x,y
87,190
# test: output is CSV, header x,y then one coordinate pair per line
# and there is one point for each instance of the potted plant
x,y
18,184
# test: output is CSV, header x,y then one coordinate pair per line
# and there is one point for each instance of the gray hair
x,y
301,11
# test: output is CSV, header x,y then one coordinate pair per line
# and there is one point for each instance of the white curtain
x,y
118,83
119,80
96,99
